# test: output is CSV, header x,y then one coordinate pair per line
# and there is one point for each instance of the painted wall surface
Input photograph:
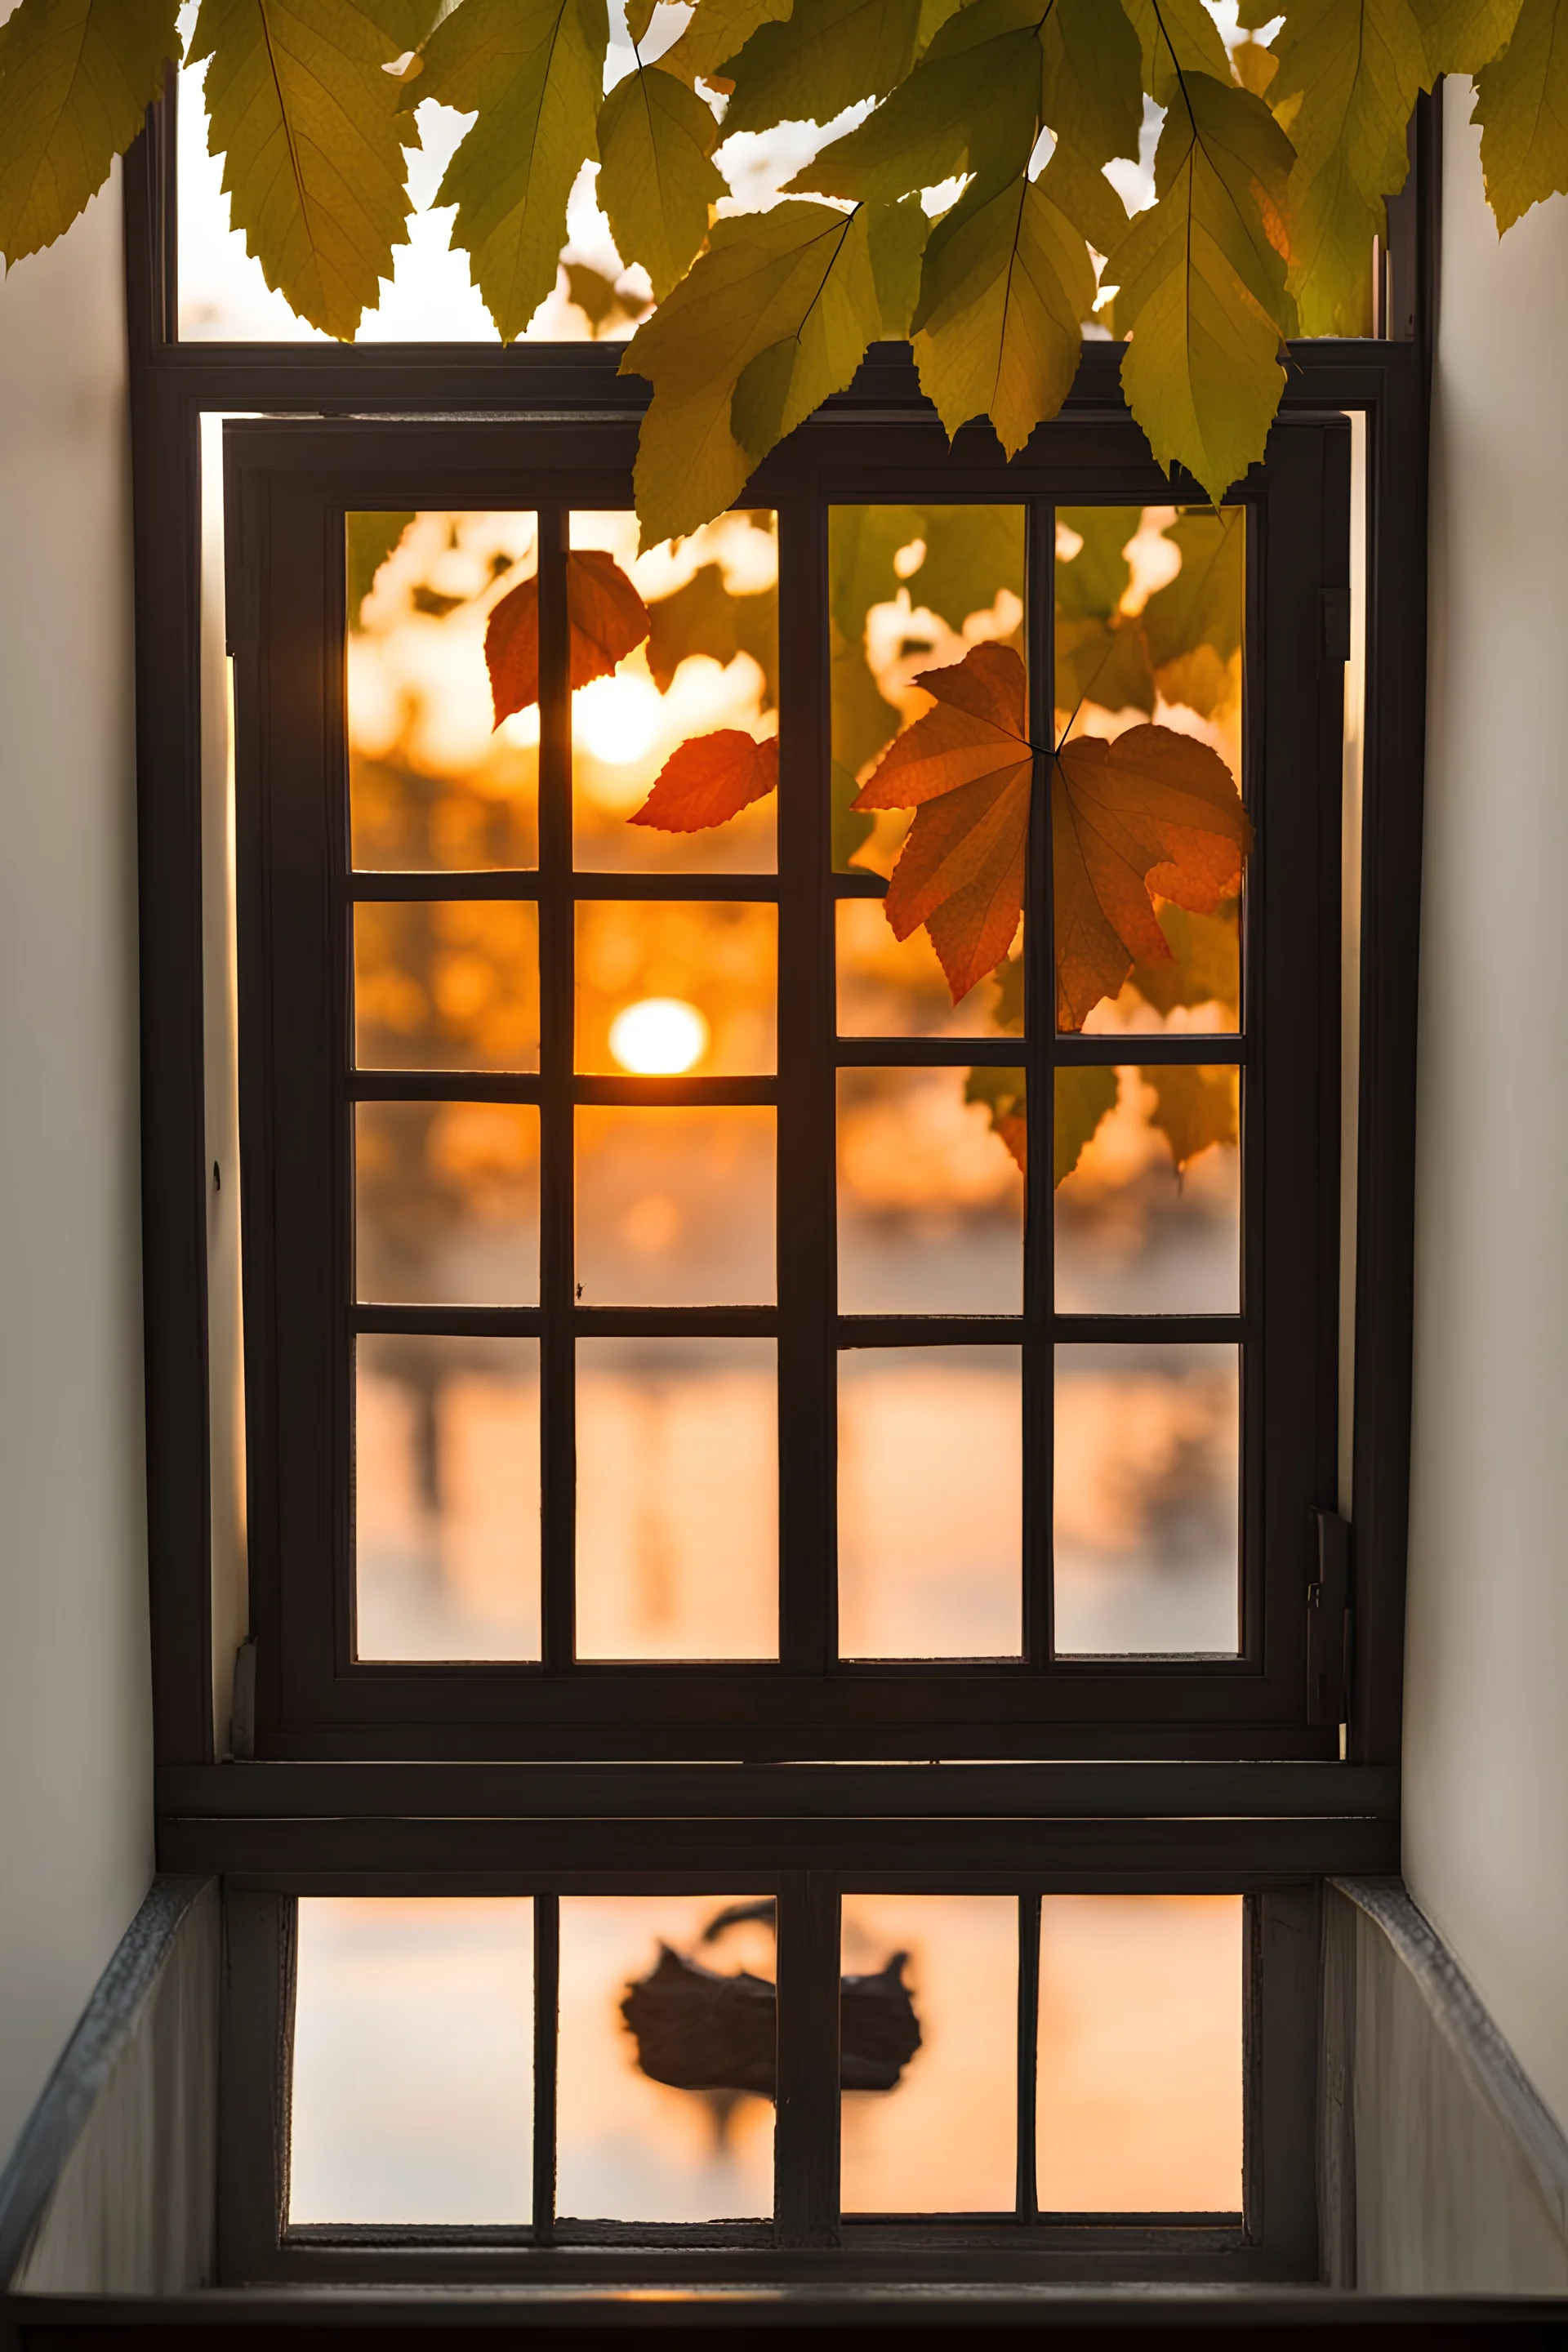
x,y
76,1838
1485,1741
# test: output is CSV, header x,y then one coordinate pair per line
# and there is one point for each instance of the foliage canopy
x,y
1270,171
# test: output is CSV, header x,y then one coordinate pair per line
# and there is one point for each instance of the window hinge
x,y
242,1708
1328,1619
1335,605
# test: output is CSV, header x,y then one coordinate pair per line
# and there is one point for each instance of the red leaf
x,y
709,779
608,618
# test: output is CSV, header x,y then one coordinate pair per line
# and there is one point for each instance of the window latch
x,y
242,1716
1328,1619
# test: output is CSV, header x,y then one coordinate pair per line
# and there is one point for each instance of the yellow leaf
x,y
1522,105
1195,1105
299,107
826,56
532,70
76,78
997,328
718,30
657,176
774,317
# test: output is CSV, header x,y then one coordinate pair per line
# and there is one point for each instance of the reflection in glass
x,y
446,984
677,1498
710,661
411,2098
446,1203
1139,2088
943,2140
675,1207
1135,1235
1149,627
434,784
930,1503
1147,1496
930,1201
714,958
633,2147
896,988
909,589
446,1497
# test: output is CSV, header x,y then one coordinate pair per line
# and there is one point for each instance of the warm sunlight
x,y
658,1037
617,718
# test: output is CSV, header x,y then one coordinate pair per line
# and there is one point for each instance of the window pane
x,y
709,662
666,985
943,2137
1147,1499
1149,1221
412,2085
896,988
1150,621
446,1203
450,984
909,589
1139,2089
931,1199
446,1497
930,1503
635,2145
677,1498
675,1207
434,784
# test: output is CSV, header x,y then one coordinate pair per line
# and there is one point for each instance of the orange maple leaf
x,y
707,780
607,619
1151,813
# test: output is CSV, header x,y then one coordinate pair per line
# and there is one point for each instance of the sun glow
x,y
658,1037
616,718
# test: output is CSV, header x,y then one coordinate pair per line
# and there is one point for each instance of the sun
x,y
658,1037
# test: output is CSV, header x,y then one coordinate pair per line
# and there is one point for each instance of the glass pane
x,y
665,986
709,662
434,784
1149,627
677,1498
931,1503
675,1207
1148,1222
931,2130
909,589
447,984
446,1497
446,1203
1147,1499
896,988
931,1199
1138,2102
666,2058
411,2098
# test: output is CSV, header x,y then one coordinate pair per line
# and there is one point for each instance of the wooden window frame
x,y
346,1815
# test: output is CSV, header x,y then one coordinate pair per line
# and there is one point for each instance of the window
x,y
619,1201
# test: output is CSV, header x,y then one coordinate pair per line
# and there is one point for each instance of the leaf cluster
x,y
1270,172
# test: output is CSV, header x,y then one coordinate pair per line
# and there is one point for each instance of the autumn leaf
x,y
705,616
533,73
1194,1107
300,108
709,778
717,30
966,769
1151,813
607,619
1201,288
824,56
656,174
1522,105
1204,966
1001,1092
1083,1098
76,78
371,537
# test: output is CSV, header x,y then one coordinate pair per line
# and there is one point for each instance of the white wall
x,y
1486,1744
76,1842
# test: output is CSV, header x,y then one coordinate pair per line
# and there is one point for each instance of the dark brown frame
x,y
343,1821
288,487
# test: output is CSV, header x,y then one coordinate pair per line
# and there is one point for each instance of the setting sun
x,y
659,1036
616,718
